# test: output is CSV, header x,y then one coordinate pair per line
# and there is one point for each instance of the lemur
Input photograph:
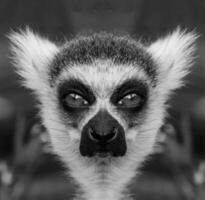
x,y
102,99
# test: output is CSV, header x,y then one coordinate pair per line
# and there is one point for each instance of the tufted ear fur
x,y
174,55
31,55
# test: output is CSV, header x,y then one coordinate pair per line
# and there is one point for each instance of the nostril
x,y
111,136
93,135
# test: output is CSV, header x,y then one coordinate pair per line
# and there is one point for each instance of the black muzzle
x,y
103,136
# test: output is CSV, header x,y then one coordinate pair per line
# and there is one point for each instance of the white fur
x,y
174,55
31,55
104,179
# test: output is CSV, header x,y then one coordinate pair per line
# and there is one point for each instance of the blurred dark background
x,y
29,172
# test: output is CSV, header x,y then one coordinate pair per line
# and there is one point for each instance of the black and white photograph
x,y
102,100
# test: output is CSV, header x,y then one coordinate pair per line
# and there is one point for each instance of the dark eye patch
x,y
131,86
74,86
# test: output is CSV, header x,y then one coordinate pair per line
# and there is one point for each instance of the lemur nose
x,y
103,135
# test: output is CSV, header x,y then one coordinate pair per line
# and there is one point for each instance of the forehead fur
x,y
103,76
104,46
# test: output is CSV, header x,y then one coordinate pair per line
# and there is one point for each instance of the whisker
x,y
58,121
56,129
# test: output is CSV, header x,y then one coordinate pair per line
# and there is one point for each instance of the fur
x,y
38,61
86,49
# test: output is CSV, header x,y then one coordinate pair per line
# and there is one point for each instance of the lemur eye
x,y
131,100
74,100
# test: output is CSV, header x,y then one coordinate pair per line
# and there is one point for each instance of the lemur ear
x,y
31,55
174,54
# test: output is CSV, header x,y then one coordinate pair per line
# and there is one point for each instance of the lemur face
x,y
102,102
103,99
102,87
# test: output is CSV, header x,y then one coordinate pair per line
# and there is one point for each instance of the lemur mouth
x,y
103,154
91,148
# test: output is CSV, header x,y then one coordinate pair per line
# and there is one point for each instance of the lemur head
x,y
102,99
